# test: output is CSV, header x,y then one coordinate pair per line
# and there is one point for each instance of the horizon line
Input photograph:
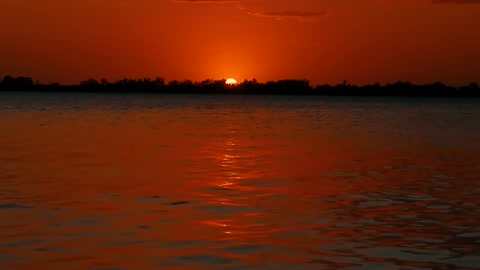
x,y
146,79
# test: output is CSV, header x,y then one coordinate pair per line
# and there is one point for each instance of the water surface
x,y
112,181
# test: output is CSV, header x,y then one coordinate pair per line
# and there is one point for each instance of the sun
x,y
231,81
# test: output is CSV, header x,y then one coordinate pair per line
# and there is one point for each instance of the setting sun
x,y
231,81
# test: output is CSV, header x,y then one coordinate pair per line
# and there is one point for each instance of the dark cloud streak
x,y
207,1
279,15
290,14
236,3
456,1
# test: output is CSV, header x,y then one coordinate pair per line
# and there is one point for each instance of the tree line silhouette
x,y
281,87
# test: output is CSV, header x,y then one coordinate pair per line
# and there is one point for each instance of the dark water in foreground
x,y
238,182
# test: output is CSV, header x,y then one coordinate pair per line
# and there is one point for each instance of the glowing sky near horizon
x,y
325,41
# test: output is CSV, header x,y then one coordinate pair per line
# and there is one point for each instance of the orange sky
x,y
325,41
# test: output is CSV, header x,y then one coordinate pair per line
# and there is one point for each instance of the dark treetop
x,y
281,87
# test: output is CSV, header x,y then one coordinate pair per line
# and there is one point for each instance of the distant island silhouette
x,y
281,87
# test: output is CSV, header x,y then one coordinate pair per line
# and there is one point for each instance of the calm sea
x,y
114,181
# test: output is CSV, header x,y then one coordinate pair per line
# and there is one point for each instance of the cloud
x,y
206,1
456,1
279,15
300,15
429,2
236,3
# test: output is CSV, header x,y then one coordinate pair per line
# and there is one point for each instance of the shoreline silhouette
x,y
248,87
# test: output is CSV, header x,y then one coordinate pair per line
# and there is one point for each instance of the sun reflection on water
x,y
233,192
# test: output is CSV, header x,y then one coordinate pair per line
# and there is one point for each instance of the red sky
x,y
325,41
